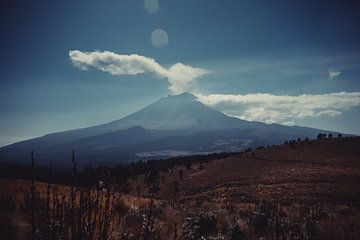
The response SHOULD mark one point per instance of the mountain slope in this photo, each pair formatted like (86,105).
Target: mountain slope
(179,112)
(313,170)
(182,111)
(177,122)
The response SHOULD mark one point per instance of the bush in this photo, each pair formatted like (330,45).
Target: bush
(260,222)
(234,232)
(133,220)
(199,226)
(120,208)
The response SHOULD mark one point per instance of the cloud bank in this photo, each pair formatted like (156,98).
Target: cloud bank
(283,109)
(179,76)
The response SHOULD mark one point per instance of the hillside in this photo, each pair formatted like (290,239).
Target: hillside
(300,190)
(321,170)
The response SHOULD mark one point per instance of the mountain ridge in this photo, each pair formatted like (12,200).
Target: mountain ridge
(178,122)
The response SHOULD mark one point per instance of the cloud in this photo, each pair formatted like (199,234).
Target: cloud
(179,76)
(333,73)
(269,108)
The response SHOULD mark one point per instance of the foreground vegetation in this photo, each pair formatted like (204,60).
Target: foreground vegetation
(300,190)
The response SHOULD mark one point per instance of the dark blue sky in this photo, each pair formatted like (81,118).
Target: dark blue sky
(276,47)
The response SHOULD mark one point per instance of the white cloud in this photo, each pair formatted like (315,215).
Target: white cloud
(333,73)
(179,76)
(283,109)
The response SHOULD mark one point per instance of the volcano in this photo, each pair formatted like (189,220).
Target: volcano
(172,126)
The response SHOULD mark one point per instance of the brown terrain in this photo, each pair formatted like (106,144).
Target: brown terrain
(326,170)
(300,190)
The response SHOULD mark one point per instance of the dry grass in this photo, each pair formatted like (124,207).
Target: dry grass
(326,170)
(307,190)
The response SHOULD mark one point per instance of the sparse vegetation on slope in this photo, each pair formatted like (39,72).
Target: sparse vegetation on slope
(305,189)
